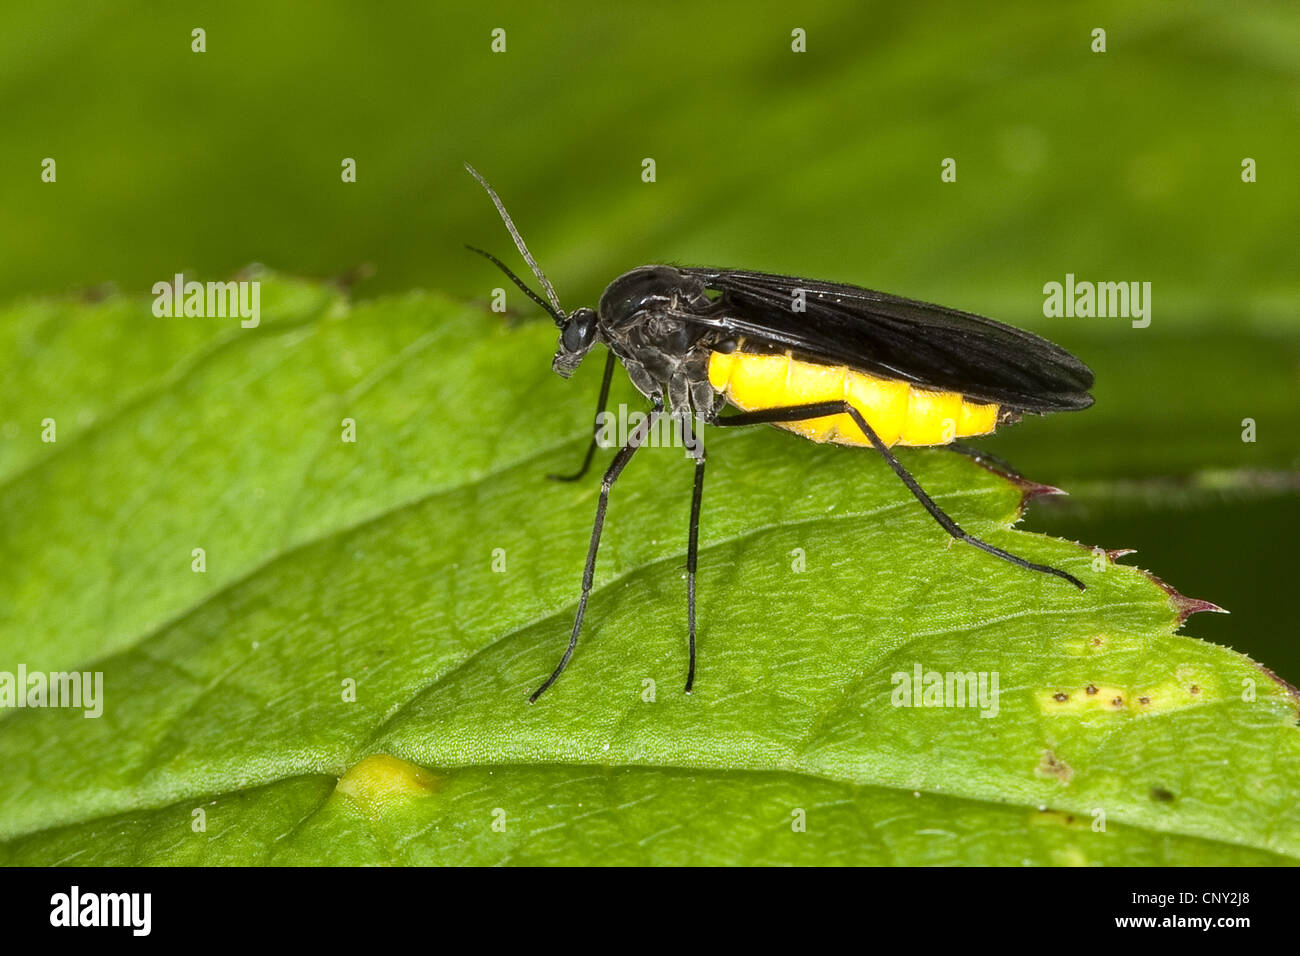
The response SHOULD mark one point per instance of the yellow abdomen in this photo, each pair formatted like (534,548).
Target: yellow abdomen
(899,413)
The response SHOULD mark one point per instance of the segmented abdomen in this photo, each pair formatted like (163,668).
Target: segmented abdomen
(899,413)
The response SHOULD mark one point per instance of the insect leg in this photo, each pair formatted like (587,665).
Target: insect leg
(595,428)
(984,458)
(693,541)
(616,467)
(797,413)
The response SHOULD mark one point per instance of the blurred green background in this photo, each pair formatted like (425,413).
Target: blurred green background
(1120,166)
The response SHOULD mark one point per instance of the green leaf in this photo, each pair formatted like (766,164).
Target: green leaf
(371,562)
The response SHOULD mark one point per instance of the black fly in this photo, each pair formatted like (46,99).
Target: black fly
(829,361)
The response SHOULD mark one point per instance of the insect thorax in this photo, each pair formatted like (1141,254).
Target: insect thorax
(665,355)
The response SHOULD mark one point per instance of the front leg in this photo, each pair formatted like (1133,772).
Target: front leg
(595,428)
(634,441)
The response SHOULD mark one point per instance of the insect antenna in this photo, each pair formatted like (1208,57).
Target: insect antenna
(557,316)
(556,310)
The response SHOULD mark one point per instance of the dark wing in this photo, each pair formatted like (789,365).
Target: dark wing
(891,337)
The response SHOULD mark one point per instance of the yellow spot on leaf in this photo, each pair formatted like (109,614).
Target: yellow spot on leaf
(381,783)
(1186,687)
(1082,699)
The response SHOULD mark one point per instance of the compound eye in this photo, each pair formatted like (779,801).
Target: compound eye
(578,333)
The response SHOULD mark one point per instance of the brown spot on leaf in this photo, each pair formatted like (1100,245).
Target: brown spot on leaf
(1051,765)
(1161,795)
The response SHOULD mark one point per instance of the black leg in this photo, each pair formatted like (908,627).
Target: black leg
(634,441)
(984,458)
(595,428)
(693,542)
(797,413)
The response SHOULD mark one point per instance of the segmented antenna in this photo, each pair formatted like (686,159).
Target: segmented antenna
(559,313)
(546,306)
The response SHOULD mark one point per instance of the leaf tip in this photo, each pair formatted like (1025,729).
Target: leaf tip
(1184,606)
